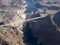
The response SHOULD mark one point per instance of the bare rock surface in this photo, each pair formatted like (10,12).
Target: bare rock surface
(9,36)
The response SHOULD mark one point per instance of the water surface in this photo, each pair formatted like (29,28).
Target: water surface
(31,6)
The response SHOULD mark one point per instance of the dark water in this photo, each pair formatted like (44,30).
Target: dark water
(30,40)
(31,6)
(47,31)
(57,18)
(46,26)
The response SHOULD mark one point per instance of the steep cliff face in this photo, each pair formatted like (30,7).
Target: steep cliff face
(35,32)
(12,34)
(9,36)
(13,18)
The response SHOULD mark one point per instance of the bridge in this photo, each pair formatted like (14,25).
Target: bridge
(16,23)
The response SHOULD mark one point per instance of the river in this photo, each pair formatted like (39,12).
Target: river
(31,6)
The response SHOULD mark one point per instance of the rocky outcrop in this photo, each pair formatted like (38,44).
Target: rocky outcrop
(13,19)
(35,32)
(11,36)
